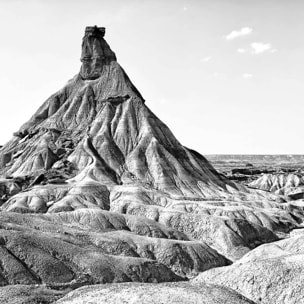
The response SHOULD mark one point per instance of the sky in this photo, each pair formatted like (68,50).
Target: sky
(226,76)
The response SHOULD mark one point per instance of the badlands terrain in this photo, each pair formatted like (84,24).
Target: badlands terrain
(100,203)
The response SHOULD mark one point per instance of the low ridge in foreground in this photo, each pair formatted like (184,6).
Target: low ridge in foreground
(96,189)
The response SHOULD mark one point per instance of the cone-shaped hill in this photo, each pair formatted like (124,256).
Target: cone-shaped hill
(96,189)
(99,125)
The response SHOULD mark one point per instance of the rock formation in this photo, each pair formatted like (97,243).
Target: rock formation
(96,189)
(165,293)
(289,185)
(271,273)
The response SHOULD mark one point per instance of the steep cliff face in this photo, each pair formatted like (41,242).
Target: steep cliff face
(95,53)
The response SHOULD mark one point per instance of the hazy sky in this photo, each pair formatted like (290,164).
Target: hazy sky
(226,76)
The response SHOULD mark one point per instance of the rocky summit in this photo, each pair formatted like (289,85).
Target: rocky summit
(96,189)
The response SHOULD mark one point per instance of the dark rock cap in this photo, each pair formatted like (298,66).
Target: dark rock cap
(95,30)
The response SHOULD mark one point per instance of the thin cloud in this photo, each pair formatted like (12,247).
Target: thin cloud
(260,47)
(247,76)
(241,51)
(239,33)
(206,59)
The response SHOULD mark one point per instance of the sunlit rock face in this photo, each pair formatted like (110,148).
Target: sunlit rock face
(95,53)
(270,274)
(166,293)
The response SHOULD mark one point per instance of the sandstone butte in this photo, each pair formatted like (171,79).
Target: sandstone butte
(95,189)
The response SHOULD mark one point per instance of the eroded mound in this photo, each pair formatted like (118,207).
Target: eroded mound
(271,273)
(154,294)
(92,246)
(29,294)
(275,182)
(232,226)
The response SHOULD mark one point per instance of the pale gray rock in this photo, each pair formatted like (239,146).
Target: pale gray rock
(270,274)
(279,183)
(165,293)
(29,294)
(96,246)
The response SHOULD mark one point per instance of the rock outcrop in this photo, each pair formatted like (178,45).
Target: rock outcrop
(29,294)
(165,293)
(289,187)
(95,246)
(271,273)
(275,182)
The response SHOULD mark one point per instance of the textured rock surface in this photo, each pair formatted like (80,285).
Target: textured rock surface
(95,53)
(271,273)
(29,294)
(94,246)
(154,294)
(274,182)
